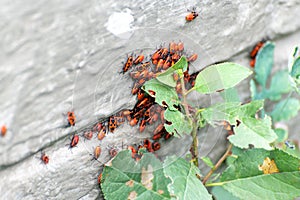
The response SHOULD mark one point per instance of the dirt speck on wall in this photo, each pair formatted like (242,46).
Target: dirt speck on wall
(59,56)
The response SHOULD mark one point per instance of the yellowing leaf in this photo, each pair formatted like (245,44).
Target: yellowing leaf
(130,183)
(268,166)
(147,177)
(128,179)
(132,195)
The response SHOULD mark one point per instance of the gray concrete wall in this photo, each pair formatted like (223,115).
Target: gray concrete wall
(58,56)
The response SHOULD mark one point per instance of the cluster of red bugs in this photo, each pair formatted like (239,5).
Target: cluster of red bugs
(254,52)
(146,111)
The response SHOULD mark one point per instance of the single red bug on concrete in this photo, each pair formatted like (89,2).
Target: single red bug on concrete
(3,130)
(88,135)
(71,118)
(74,141)
(192,15)
(45,158)
(99,178)
(97,153)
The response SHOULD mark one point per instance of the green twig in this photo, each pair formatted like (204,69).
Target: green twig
(190,90)
(183,90)
(195,144)
(218,164)
(214,184)
(191,121)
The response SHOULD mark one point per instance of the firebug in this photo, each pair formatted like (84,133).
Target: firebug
(45,158)
(74,141)
(71,118)
(191,16)
(3,130)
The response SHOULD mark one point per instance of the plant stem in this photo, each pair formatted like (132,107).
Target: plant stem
(185,105)
(195,143)
(214,184)
(199,111)
(190,90)
(218,164)
(193,122)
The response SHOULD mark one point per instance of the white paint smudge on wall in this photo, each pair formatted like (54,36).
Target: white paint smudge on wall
(120,24)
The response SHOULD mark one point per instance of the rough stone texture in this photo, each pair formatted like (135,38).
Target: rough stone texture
(58,56)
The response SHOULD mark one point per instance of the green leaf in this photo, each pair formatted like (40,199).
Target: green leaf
(220,76)
(179,123)
(207,161)
(185,184)
(253,90)
(244,179)
(230,95)
(235,152)
(292,151)
(167,76)
(271,186)
(221,112)
(251,131)
(282,134)
(246,165)
(124,178)
(296,68)
(164,95)
(221,194)
(280,84)
(231,111)
(292,58)
(264,63)
(285,109)
(250,109)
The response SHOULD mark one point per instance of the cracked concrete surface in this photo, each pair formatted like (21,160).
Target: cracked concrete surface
(56,57)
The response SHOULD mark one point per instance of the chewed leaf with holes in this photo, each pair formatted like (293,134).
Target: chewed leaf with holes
(231,111)
(248,130)
(220,76)
(261,174)
(251,131)
(268,167)
(167,76)
(185,184)
(177,123)
(125,178)
(251,163)
(164,95)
